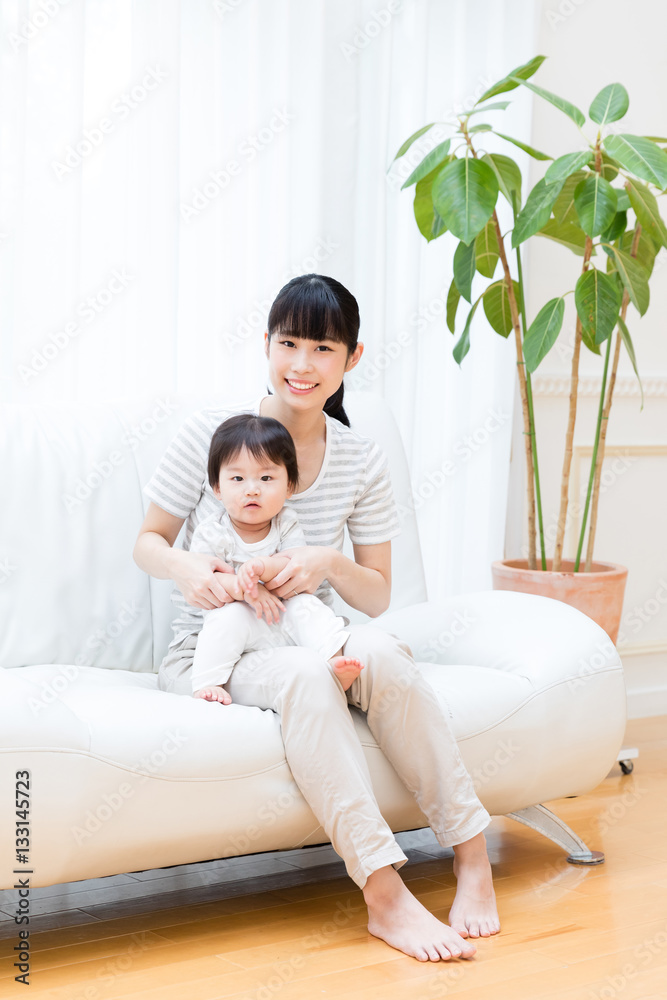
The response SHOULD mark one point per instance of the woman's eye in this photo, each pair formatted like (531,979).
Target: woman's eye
(287,343)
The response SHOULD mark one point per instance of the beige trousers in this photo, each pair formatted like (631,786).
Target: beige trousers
(324,752)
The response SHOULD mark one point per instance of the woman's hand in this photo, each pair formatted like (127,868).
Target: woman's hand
(199,578)
(308,565)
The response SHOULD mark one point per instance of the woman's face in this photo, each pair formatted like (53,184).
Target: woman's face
(304,373)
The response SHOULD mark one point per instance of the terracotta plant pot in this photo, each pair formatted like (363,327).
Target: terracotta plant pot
(599,594)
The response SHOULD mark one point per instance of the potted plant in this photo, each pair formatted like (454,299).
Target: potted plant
(598,202)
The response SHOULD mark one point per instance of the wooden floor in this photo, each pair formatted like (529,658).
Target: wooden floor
(292,925)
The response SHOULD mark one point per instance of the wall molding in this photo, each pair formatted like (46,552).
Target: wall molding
(626,386)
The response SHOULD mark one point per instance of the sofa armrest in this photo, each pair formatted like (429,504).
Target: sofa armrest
(536,637)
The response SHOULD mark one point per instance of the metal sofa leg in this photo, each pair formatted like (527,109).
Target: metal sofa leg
(544,821)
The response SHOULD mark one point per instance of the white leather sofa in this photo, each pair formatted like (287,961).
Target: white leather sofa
(125,777)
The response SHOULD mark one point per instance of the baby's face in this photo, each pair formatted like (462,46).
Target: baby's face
(252,490)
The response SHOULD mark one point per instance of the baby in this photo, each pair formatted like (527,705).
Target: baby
(252,469)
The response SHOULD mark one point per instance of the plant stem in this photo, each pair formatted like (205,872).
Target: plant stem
(605,422)
(574,388)
(567,458)
(531,411)
(528,431)
(521,368)
(595,454)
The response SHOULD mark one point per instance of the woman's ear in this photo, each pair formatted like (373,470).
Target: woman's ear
(267,342)
(355,357)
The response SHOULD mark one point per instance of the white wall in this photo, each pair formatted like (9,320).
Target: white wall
(590,43)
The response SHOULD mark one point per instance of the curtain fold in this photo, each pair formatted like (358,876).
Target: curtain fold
(165,167)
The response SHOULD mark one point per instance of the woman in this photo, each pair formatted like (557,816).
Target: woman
(312,340)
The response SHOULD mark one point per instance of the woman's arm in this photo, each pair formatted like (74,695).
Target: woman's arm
(195,574)
(364,583)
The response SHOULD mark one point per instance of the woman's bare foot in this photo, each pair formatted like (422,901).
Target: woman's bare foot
(214,693)
(396,916)
(474,912)
(346,669)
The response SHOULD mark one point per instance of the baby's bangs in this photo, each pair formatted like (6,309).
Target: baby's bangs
(310,311)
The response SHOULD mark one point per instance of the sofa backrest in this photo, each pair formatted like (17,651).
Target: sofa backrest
(71,506)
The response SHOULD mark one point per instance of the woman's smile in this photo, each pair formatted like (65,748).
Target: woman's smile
(300,387)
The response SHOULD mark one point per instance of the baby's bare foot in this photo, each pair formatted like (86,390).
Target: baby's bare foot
(346,669)
(396,916)
(214,693)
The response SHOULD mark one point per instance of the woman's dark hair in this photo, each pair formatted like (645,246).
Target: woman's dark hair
(316,307)
(264,437)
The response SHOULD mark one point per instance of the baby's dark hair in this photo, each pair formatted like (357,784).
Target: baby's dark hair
(264,437)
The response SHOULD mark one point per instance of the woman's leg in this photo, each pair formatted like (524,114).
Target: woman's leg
(322,750)
(406,718)
(329,766)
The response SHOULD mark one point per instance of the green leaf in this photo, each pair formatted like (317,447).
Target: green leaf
(464,195)
(627,340)
(610,104)
(507,174)
(623,202)
(646,209)
(542,332)
(646,249)
(558,102)
(609,168)
(497,106)
(497,306)
(487,251)
(464,269)
(618,226)
(634,277)
(595,202)
(535,153)
(428,220)
(566,233)
(508,82)
(462,345)
(453,299)
(589,342)
(482,127)
(566,165)
(655,138)
(413,138)
(564,210)
(640,156)
(536,211)
(597,298)
(429,163)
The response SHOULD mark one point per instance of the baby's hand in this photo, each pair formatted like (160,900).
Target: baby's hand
(248,576)
(266,605)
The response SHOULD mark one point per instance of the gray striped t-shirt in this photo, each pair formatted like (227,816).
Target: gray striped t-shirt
(353,488)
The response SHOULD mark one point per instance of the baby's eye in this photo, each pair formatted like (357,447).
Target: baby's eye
(237,479)
(267,479)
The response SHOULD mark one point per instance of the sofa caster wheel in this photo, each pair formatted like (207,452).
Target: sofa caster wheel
(627,766)
(586,858)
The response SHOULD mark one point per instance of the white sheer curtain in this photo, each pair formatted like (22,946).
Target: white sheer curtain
(165,167)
